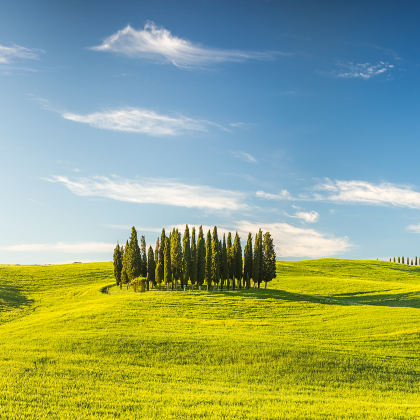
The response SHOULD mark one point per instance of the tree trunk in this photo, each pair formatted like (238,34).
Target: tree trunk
(192,288)
(207,287)
(184,287)
(176,285)
(168,287)
(265,285)
(214,287)
(199,288)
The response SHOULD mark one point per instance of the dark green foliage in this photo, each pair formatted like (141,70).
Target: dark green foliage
(257,260)
(248,260)
(269,259)
(176,256)
(201,257)
(215,258)
(208,259)
(143,252)
(225,269)
(124,275)
(186,263)
(237,259)
(415,261)
(394,259)
(402,260)
(117,264)
(193,272)
(133,256)
(398,260)
(229,250)
(167,270)
(162,249)
(151,267)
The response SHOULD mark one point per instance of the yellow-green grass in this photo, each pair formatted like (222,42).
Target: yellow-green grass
(330,339)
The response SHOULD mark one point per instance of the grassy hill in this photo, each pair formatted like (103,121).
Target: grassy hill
(331,339)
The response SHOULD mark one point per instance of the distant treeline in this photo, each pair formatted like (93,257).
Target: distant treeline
(186,261)
(401,261)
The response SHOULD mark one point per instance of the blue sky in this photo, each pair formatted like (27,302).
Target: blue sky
(298,117)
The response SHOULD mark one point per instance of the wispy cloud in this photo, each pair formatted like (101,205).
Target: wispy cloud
(355,192)
(135,120)
(245,156)
(350,70)
(294,241)
(414,228)
(159,45)
(156,191)
(9,55)
(307,216)
(77,248)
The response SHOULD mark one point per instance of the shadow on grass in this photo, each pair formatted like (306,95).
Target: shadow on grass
(12,297)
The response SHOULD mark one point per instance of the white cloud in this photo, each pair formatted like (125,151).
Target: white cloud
(159,45)
(157,191)
(78,248)
(293,241)
(139,120)
(9,54)
(350,70)
(414,228)
(307,216)
(245,156)
(283,195)
(356,192)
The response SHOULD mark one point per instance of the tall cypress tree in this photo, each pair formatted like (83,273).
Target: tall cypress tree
(118,264)
(256,261)
(133,256)
(225,271)
(124,275)
(201,257)
(176,256)
(230,259)
(402,259)
(208,260)
(151,267)
(215,259)
(167,271)
(162,248)
(193,272)
(269,259)
(187,256)
(415,261)
(237,259)
(261,258)
(143,252)
(248,261)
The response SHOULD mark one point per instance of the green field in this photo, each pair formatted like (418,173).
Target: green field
(330,339)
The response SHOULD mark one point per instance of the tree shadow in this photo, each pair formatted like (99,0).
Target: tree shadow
(12,297)
(371,298)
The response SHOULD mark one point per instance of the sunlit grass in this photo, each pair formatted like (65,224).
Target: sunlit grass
(329,339)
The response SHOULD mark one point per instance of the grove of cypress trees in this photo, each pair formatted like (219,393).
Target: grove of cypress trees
(201,257)
(151,267)
(117,264)
(237,259)
(215,259)
(167,270)
(269,259)
(143,252)
(186,264)
(193,272)
(248,261)
(208,260)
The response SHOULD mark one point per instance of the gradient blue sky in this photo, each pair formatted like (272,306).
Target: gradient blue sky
(298,117)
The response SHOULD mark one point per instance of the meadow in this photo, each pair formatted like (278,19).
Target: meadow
(329,339)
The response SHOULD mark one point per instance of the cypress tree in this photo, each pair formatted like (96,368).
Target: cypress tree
(237,259)
(124,275)
(415,261)
(402,259)
(193,272)
(411,262)
(256,261)
(261,258)
(162,249)
(215,259)
(133,256)
(201,257)
(208,260)
(248,261)
(398,260)
(176,256)
(117,264)
(143,251)
(158,274)
(151,267)
(394,259)
(167,270)
(229,249)
(186,266)
(269,259)
(225,271)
